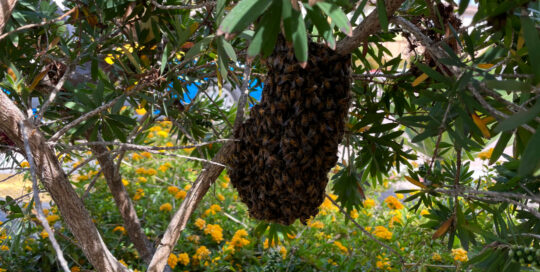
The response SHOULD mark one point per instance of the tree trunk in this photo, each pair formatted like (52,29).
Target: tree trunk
(123,202)
(57,184)
(6,6)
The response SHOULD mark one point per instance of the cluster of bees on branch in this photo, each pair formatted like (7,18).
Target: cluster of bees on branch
(290,141)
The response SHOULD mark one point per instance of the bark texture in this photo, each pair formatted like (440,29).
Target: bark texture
(6,7)
(123,202)
(57,184)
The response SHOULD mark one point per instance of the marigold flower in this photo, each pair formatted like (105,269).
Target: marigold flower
(341,246)
(460,254)
(140,171)
(194,238)
(52,218)
(220,197)
(172,261)
(173,190)
(200,223)
(400,196)
(151,172)
(140,111)
(122,262)
(215,231)
(212,210)
(283,252)
(316,224)
(436,257)
(354,214)
(382,263)
(4,248)
(327,206)
(201,253)
(238,239)
(125,182)
(382,233)
(187,187)
(166,207)
(44,234)
(183,258)
(25,164)
(369,203)
(120,229)
(393,203)
(75,269)
(146,154)
(136,157)
(424,212)
(163,134)
(142,179)
(180,195)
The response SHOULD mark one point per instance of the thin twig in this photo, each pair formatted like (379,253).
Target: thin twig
(39,207)
(12,176)
(128,146)
(53,94)
(91,184)
(39,24)
(236,220)
(243,97)
(205,4)
(367,233)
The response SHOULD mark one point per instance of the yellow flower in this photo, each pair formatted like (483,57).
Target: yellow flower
(140,111)
(4,248)
(172,261)
(394,219)
(122,262)
(201,253)
(485,155)
(266,245)
(424,212)
(383,263)
(354,214)
(147,155)
(109,59)
(382,233)
(316,224)
(183,258)
(139,194)
(180,195)
(163,168)
(151,172)
(393,203)
(460,254)
(188,150)
(155,128)
(120,229)
(239,239)
(166,207)
(75,269)
(52,218)
(200,223)
(400,196)
(125,182)
(25,164)
(173,190)
(220,197)
(169,144)
(369,203)
(140,171)
(215,231)
(163,134)
(136,157)
(327,206)
(283,252)
(142,179)
(212,210)
(341,247)
(436,257)
(187,187)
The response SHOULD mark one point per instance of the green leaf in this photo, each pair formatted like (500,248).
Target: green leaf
(519,118)
(198,47)
(383,18)
(499,148)
(531,155)
(164,58)
(433,74)
(463,4)
(228,49)
(295,30)
(533,44)
(314,13)
(337,15)
(242,15)
(508,85)
(266,35)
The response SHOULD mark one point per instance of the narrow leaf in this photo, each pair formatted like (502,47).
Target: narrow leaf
(242,15)
(420,79)
(337,15)
(531,155)
(415,182)
(519,118)
(383,18)
(533,44)
(500,146)
(443,228)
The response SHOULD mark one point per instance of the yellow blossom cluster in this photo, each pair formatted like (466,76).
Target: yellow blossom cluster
(52,218)
(180,194)
(424,212)
(460,254)
(369,203)
(327,206)
(75,269)
(194,238)
(393,203)
(215,231)
(200,223)
(138,194)
(120,229)
(25,164)
(341,247)
(200,254)
(383,263)
(183,258)
(382,233)
(164,167)
(315,224)
(436,257)
(396,218)
(172,261)
(125,182)
(144,171)
(220,197)
(167,207)
(173,190)
(142,179)
(354,214)
(212,210)
(283,252)
(239,239)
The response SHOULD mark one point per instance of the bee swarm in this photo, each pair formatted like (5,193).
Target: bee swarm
(290,141)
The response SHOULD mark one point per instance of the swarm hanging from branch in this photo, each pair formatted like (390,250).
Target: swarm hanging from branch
(290,141)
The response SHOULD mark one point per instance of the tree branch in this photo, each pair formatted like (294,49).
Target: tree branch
(370,25)
(6,7)
(37,25)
